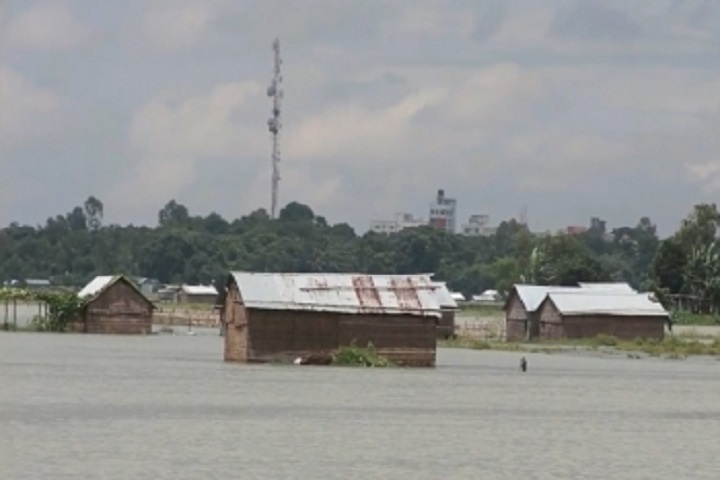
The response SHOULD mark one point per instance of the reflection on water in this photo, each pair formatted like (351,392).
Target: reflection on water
(167,407)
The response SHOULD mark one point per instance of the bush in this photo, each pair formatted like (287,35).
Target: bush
(361,357)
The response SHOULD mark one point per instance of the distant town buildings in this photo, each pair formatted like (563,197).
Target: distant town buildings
(477,226)
(443,212)
(400,222)
(442,215)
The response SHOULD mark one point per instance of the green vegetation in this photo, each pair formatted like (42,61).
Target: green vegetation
(676,346)
(72,248)
(687,318)
(360,357)
(63,307)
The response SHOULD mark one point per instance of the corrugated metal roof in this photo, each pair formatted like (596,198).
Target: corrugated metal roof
(616,287)
(96,285)
(620,304)
(339,292)
(199,289)
(533,295)
(458,296)
(444,297)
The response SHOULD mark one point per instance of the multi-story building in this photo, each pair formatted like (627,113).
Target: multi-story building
(477,225)
(401,221)
(443,212)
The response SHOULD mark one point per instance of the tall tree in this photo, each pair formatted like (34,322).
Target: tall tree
(94,211)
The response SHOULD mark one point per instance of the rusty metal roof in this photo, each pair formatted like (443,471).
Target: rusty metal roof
(339,292)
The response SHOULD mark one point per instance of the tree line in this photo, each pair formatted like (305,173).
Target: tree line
(72,248)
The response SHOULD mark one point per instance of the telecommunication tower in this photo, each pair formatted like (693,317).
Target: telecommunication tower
(275,92)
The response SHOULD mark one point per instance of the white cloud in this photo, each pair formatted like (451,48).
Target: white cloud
(179,26)
(45,27)
(172,134)
(706,174)
(26,113)
(492,94)
(24,108)
(434,20)
(355,130)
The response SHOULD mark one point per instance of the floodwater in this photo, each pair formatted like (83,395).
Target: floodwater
(167,407)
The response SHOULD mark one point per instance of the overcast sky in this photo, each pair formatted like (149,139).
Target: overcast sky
(573,108)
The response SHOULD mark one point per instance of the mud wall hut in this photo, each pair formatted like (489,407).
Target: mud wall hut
(583,314)
(113,304)
(279,317)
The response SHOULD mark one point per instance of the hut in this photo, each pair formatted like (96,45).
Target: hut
(281,316)
(114,304)
(448,308)
(521,305)
(197,294)
(583,314)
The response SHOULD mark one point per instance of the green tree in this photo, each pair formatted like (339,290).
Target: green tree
(94,210)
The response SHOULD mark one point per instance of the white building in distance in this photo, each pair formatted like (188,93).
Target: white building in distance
(443,212)
(401,222)
(478,225)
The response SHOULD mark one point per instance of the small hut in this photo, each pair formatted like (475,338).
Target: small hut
(521,305)
(197,294)
(280,316)
(448,308)
(583,314)
(114,304)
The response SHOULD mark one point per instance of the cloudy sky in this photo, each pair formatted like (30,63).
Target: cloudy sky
(574,108)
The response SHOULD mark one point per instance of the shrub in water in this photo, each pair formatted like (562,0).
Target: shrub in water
(358,356)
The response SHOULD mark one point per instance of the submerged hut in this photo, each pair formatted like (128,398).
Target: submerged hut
(583,314)
(521,306)
(448,308)
(282,316)
(114,304)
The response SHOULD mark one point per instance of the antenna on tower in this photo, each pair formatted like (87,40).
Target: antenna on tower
(275,92)
(524,215)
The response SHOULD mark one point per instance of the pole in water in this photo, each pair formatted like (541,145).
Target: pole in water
(523,365)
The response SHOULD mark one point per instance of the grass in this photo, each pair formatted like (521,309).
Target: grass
(685,318)
(675,347)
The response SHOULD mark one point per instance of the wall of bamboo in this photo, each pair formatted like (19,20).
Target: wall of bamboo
(118,310)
